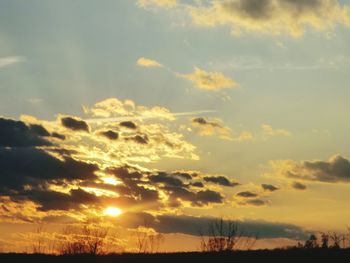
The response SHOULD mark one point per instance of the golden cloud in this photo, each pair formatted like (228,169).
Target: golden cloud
(274,17)
(157,3)
(148,63)
(212,81)
(269,131)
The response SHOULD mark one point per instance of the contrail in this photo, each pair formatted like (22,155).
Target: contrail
(127,118)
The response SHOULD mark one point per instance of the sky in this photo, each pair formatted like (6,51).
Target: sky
(174,113)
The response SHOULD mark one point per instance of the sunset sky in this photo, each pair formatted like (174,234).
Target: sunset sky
(174,112)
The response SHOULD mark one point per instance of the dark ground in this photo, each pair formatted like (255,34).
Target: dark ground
(282,256)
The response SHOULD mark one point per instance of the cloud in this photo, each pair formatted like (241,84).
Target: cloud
(128,124)
(220,180)
(139,138)
(7,61)
(299,186)
(52,200)
(269,187)
(248,198)
(185,175)
(18,134)
(211,127)
(157,3)
(255,202)
(113,109)
(166,179)
(58,136)
(198,226)
(75,124)
(208,127)
(272,17)
(204,80)
(208,196)
(30,167)
(112,135)
(148,63)
(197,184)
(170,184)
(82,173)
(247,194)
(335,170)
(211,81)
(268,131)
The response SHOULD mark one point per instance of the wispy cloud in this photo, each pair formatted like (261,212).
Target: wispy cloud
(243,63)
(7,61)
(148,63)
(269,131)
(213,81)
(202,79)
(130,118)
(157,3)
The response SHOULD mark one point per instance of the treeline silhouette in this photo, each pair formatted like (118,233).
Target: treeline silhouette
(221,240)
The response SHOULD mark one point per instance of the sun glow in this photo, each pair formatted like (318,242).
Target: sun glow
(111,180)
(112,211)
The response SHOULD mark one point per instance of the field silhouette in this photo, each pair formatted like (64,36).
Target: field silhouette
(288,255)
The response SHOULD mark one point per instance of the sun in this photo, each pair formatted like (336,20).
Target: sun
(112,211)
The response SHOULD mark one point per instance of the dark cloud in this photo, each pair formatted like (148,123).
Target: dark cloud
(255,202)
(247,194)
(136,182)
(58,136)
(126,174)
(299,186)
(39,130)
(196,226)
(136,219)
(198,184)
(221,180)
(269,187)
(52,200)
(201,198)
(185,175)
(133,185)
(256,9)
(30,166)
(110,134)
(209,196)
(140,139)
(166,179)
(336,169)
(18,134)
(145,194)
(202,121)
(128,124)
(75,124)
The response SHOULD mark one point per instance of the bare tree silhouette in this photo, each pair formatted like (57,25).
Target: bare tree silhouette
(85,239)
(146,241)
(38,246)
(311,242)
(225,236)
(324,240)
